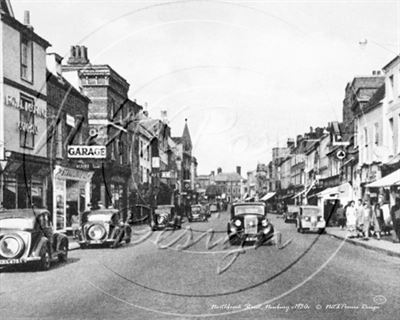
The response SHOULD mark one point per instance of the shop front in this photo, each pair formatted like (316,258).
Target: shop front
(71,196)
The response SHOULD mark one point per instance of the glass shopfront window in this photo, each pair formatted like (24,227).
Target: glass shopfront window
(20,193)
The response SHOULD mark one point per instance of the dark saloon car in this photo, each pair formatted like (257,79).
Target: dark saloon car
(27,237)
(197,213)
(103,227)
(248,222)
(165,216)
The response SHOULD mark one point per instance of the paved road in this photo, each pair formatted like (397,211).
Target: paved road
(144,281)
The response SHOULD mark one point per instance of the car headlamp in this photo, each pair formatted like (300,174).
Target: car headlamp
(238,223)
(264,223)
(11,246)
(96,232)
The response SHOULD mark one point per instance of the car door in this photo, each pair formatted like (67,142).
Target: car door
(46,228)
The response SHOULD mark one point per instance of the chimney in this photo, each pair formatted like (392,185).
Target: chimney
(290,143)
(78,55)
(213,173)
(164,117)
(53,63)
(239,170)
(219,170)
(27,19)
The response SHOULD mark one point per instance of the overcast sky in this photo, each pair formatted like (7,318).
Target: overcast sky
(246,74)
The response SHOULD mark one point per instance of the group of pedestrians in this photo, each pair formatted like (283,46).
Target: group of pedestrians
(364,219)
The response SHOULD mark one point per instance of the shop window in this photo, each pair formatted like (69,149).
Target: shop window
(9,192)
(27,128)
(26,60)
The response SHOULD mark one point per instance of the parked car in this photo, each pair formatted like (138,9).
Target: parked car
(248,222)
(27,237)
(165,216)
(197,213)
(310,218)
(291,214)
(103,226)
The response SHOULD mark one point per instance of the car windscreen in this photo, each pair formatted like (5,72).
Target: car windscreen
(248,210)
(196,209)
(99,217)
(311,211)
(16,223)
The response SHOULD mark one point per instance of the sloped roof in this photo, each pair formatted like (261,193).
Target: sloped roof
(378,96)
(5,6)
(228,177)
(186,135)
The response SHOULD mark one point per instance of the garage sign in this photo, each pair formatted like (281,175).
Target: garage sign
(92,152)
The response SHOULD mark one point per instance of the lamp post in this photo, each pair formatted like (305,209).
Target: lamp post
(178,178)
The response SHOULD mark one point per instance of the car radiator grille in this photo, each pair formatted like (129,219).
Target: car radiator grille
(250,224)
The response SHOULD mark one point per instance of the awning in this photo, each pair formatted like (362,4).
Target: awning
(268,196)
(392,179)
(299,194)
(344,189)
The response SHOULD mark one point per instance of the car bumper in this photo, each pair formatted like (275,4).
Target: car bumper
(7,262)
(90,242)
(312,226)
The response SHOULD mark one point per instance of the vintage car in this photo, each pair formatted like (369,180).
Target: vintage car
(310,218)
(165,216)
(291,214)
(197,213)
(27,236)
(213,208)
(103,227)
(248,222)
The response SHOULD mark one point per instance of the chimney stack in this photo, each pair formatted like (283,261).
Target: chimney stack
(219,170)
(27,19)
(78,55)
(213,173)
(239,170)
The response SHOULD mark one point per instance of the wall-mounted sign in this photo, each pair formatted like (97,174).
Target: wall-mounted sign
(74,174)
(27,127)
(155,162)
(340,154)
(92,152)
(70,120)
(40,111)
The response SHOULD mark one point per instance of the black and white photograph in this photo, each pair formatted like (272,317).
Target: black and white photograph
(199,159)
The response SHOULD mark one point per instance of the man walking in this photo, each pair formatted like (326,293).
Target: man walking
(395,215)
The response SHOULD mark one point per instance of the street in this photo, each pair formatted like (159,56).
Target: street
(312,277)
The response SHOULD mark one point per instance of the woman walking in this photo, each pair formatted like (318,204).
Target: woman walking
(351,219)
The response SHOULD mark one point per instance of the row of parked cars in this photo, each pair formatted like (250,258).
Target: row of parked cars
(27,235)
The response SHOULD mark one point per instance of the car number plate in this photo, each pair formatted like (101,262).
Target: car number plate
(251,238)
(10,261)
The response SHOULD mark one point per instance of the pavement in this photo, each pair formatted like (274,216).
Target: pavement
(384,245)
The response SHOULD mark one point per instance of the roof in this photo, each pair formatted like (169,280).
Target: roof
(5,6)
(29,213)
(376,99)
(391,62)
(177,139)
(63,83)
(228,176)
(249,204)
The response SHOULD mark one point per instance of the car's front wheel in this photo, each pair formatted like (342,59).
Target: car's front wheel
(45,259)
(299,228)
(63,255)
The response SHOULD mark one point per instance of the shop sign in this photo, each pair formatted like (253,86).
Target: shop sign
(74,174)
(92,152)
(40,111)
(155,162)
(27,127)
(167,174)
(70,120)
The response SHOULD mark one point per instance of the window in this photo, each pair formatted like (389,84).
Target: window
(141,174)
(365,144)
(27,128)
(141,149)
(26,60)
(58,138)
(391,135)
(391,87)
(376,133)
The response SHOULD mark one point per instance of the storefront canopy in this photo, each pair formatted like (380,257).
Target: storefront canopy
(268,196)
(299,194)
(392,179)
(344,190)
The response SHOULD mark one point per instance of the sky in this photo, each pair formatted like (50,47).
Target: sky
(247,75)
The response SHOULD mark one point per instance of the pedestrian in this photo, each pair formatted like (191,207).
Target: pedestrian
(395,215)
(359,217)
(340,214)
(351,218)
(377,220)
(366,219)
